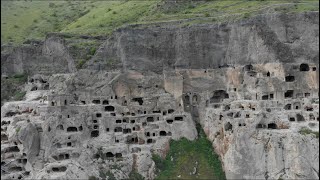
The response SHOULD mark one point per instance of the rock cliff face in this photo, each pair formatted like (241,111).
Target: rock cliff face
(263,39)
(48,57)
(252,85)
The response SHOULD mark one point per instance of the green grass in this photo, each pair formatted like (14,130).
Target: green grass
(105,20)
(305,131)
(185,154)
(22,20)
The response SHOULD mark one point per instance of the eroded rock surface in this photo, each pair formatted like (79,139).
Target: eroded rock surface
(253,87)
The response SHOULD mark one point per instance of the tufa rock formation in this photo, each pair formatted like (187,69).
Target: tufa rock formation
(252,85)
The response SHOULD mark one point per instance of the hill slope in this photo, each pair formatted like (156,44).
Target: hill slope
(23,20)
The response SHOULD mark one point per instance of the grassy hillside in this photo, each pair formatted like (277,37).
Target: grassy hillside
(190,160)
(22,20)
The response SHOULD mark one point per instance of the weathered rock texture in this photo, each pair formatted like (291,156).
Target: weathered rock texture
(252,85)
(48,57)
(263,39)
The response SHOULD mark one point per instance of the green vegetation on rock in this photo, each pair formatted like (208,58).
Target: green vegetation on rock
(134,175)
(18,129)
(12,89)
(106,174)
(23,20)
(305,131)
(190,160)
(93,178)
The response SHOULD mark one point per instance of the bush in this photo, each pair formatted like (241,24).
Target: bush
(15,26)
(19,96)
(108,174)
(93,178)
(246,15)
(134,175)
(20,77)
(18,129)
(51,5)
(206,14)
(110,62)
(92,50)
(80,63)
(160,164)
(305,131)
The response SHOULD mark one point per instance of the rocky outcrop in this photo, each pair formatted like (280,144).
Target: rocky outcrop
(262,39)
(252,85)
(255,119)
(48,57)
(92,123)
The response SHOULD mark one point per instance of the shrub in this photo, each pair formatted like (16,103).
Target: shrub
(19,96)
(110,62)
(92,50)
(160,164)
(15,26)
(246,15)
(134,175)
(51,5)
(93,178)
(108,174)
(80,63)
(305,131)
(114,12)
(206,14)
(20,77)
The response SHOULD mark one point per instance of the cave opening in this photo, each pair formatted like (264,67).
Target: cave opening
(288,94)
(72,129)
(95,133)
(109,108)
(304,67)
(272,126)
(162,133)
(228,126)
(139,100)
(289,78)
